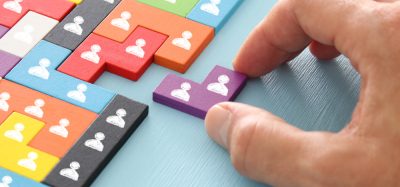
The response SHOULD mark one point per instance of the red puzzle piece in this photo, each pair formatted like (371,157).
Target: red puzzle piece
(129,59)
(12,11)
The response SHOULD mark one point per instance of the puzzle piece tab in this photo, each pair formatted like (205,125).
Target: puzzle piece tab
(7,62)
(3,30)
(196,99)
(78,24)
(32,28)
(214,13)
(178,7)
(20,128)
(64,122)
(37,71)
(12,11)
(10,179)
(26,161)
(129,59)
(186,38)
(99,144)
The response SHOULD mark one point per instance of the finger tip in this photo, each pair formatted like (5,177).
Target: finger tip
(217,122)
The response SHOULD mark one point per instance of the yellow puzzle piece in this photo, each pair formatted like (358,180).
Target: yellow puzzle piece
(76,1)
(25,160)
(20,128)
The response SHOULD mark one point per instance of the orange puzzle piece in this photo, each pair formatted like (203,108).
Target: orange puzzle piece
(186,38)
(64,122)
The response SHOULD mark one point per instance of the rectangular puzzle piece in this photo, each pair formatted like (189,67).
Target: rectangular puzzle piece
(78,24)
(37,71)
(7,62)
(10,179)
(186,38)
(178,7)
(196,99)
(21,38)
(99,144)
(64,123)
(129,59)
(214,13)
(12,11)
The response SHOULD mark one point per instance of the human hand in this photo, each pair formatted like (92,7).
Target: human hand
(366,152)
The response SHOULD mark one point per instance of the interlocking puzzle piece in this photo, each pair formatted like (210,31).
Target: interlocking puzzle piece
(26,161)
(3,30)
(20,128)
(10,179)
(99,144)
(214,13)
(196,99)
(178,7)
(37,71)
(129,59)
(64,122)
(13,10)
(7,62)
(78,24)
(187,39)
(32,28)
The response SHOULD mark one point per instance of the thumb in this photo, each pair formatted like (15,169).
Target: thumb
(263,146)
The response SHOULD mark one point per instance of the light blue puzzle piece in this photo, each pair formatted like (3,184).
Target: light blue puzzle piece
(214,13)
(56,84)
(12,179)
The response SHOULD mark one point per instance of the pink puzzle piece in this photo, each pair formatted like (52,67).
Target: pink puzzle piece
(196,99)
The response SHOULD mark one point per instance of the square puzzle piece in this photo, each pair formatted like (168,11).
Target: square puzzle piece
(214,13)
(186,38)
(129,59)
(10,179)
(178,7)
(20,128)
(37,71)
(12,11)
(7,62)
(196,99)
(99,144)
(32,28)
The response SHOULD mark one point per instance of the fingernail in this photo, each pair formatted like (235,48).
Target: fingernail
(218,123)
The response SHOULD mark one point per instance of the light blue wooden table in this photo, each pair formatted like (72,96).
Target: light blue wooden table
(172,148)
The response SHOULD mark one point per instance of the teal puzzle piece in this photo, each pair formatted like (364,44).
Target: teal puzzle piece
(8,178)
(38,71)
(214,13)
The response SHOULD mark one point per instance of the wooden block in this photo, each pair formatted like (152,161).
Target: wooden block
(32,28)
(129,59)
(214,13)
(37,71)
(186,38)
(26,161)
(3,31)
(20,128)
(99,144)
(76,1)
(196,99)
(12,11)
(71,31)
(54,113)
(7,62)
(10,179)
(178,7)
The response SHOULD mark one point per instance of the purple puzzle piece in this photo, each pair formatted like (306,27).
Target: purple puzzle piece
(196,99)
(7,62)
(3,31)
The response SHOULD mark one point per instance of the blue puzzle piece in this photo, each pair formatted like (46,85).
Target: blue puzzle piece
(214,13)
(31,72)
(9,178)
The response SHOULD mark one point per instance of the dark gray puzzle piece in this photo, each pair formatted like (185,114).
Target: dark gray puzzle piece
(92,157)
(92,11)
